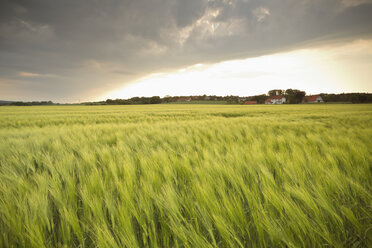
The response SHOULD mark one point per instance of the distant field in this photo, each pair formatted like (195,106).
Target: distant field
(186,176)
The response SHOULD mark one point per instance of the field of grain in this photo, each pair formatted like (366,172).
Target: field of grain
(186,176)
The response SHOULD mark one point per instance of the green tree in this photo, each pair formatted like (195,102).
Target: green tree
(294,96)
(275,92)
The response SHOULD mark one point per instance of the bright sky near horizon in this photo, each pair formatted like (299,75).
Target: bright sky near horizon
(328,69)
(71,51)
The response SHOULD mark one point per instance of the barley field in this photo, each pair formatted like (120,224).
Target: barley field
(186,176)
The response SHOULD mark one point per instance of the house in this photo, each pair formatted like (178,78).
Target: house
(312,99)
(275,100)
(250,102)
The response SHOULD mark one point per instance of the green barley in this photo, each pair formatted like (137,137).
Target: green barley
(186,176)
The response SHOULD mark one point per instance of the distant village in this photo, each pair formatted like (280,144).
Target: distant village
(276,96)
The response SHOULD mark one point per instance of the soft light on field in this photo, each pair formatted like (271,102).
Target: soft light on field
(337,69)
(186,176)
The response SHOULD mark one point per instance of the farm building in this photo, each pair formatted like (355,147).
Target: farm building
(250,102)
(312,99)
(275,100)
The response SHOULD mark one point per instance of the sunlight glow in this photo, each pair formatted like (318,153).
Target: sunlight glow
(338,69)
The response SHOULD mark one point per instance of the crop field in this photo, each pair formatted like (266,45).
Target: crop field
(186,176)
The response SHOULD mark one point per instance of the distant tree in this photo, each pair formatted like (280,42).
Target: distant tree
(348,97)
(275,92)
(232,99)
(155,100)
(259,98)
(33,103)
(299,95)
(20,104)
(294,96)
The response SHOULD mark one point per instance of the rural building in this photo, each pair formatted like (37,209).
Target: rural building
(275,100)
(250,102)
(312,99)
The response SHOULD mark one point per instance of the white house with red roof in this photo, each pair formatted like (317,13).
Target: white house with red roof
(312,99)
(275,100)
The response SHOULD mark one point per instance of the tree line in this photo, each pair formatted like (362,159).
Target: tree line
(20,103)
(348,97)
(293,96)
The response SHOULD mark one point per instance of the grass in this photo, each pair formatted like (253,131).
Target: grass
(186,176)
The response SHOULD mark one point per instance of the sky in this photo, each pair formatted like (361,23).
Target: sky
(91,50)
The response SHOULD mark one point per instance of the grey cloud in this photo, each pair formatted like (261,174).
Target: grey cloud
(185,12)
(98,45)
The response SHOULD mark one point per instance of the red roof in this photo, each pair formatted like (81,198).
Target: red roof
(311,98)
(274,97)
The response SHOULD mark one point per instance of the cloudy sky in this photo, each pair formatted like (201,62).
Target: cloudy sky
(86,50)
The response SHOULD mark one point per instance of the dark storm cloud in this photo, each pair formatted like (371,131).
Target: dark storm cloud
(72,49)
